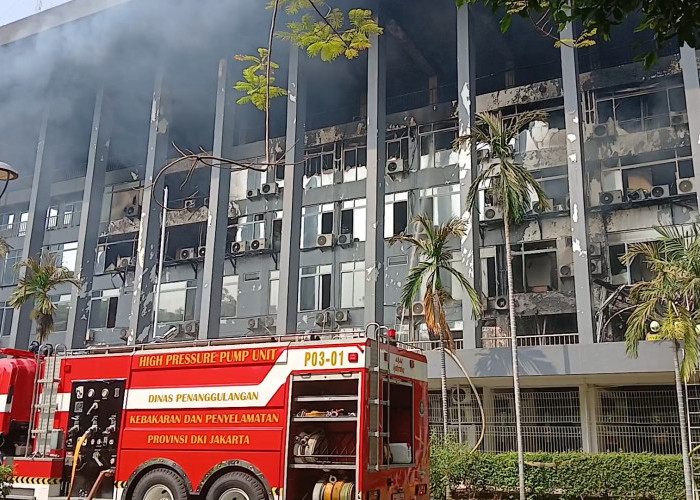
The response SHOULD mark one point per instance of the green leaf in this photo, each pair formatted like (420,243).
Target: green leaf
(505,23)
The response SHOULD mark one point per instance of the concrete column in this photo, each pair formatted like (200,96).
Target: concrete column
(487,401)
(588,408)
(39,200)
(142,316)
(376,162)
(219,189)
(466,109)
(90,220)
(577,192)
(691,84)
(292,198)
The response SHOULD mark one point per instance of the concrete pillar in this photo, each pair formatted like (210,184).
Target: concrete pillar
(376,162)
(589,410)
(90,220)
(219,189)
(292,198)
(577,192)
(487,401)
(691,84)
(39,200)
(142,319)
(470,244)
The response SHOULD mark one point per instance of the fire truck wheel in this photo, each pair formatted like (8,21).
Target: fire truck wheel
(160,484)
(237,486)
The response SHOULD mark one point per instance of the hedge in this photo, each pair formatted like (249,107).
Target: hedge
(566,476)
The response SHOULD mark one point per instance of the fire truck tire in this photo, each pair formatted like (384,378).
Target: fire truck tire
(237,486)
(160,484)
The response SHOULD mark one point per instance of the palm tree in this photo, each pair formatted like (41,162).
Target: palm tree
(666,305)
(435,258)
(511,187)
(41,277)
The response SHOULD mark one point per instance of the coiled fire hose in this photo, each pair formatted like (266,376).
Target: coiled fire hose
(76,457)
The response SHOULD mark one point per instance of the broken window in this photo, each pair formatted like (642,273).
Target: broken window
(315,288)
(60,317)
(247,179)
(352,284)
(273,296)
(229,297)
(397,147)
(119,198)
(436,145)
(555,183)
(103,309)
(440,203)
(315,220)
(177,301)
(353,218)
(249,227)
(626,275)
(396,214)
(354,163)
(319,167)
(492,277)
(535,267)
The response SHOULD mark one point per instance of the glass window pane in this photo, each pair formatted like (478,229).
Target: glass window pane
(98,313)
(307,294)
(171,307)
(229,297)
(7,321)
(346,290)
(274,296)
(359,230)
(359,287)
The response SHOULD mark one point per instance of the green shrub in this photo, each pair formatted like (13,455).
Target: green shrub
(567,475)
(5,480)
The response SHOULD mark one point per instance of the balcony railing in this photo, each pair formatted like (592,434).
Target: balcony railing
(67,219)
(532,340)
(431,345)
(13,230)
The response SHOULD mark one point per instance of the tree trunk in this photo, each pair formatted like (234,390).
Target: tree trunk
(685,446)
(514,350)
(443,386)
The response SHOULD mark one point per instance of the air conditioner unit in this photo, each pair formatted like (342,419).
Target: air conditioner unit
(206,202)
(201,252)
(238,247)
(662,191)
(394,166)
(600,130)
(402,312)
(325,240)
(258,244)
(566,271)
(492,213)
(342,316)
(90,335)
(542,206)
(124,334)
(185,254)
(685,186)
(270,321)
(132,211)
(595,249)
(269,189)
(418,309)
(252,193)
(636,195)
(596,266)
(255,324)
(189,204)
(611,197)
(345,240)
(459,395)
(501,303)
(190,328)
(125,262)
(679,118)
(324,318)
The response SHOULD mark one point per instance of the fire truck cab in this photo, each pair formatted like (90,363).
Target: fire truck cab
(328,416)
(17,374)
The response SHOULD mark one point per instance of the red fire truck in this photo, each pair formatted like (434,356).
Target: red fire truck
(323,417)
(17,381)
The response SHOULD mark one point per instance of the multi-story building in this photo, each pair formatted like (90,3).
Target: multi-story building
(98,98)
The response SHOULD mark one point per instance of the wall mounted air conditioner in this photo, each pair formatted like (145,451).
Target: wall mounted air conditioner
(459,395)
(201,252)
(634,195)
(190,328)
(132,211)
(185,254)
(596,266)
(342,316)
(679,118)
(325,240)
(206,202)
(402,312)
(662,191)
(252,194)
(255,324)
(324,318)
(542,206)
(566,271)
(501,303)
(345,240)
(269,189)
(685,186)
(595,249)
(189,204)
(492,213)
(418,309)
(270,321)
(125,262)
(257,244)
(239,247)
(611,197)
(394,166)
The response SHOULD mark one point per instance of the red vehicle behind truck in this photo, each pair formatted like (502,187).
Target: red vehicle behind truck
(334,416)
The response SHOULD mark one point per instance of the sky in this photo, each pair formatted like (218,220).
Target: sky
(13,10)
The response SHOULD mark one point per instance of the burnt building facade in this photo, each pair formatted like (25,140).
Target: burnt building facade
(99,100)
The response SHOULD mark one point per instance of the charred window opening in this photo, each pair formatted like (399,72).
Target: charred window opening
(115,252)
(535,267)
(555,183)
(319,167)
(103,309)
(436,145)
(627,275)
(315,220)
(354,163)
(397,146)
(353,219)
(277,231)
(396,214)
(493,279)
(122,201)
(315,288)
(548,329)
